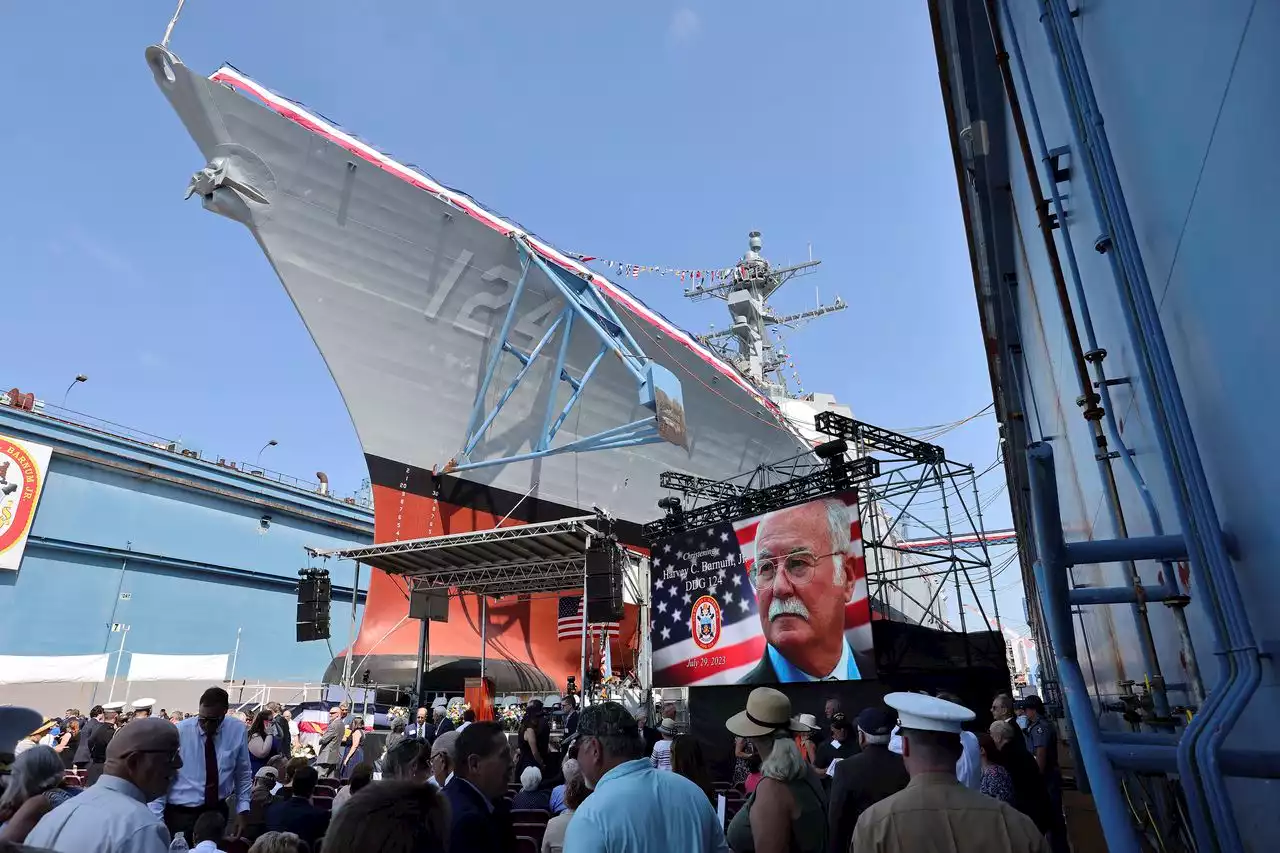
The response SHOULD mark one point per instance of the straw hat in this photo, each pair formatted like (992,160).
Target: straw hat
(767,711)
(668,726)
(809,720)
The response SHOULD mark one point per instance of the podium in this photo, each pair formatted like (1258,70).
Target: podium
(479,695)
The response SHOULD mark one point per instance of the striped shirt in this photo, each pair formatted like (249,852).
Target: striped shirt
(661,758)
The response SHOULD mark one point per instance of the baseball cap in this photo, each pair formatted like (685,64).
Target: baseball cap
(15,724)
(876,721)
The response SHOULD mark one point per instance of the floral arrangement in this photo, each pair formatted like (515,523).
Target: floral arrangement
(510,717)
(454,712)
(402,713)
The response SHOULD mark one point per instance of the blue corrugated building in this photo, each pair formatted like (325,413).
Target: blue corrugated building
(196,557)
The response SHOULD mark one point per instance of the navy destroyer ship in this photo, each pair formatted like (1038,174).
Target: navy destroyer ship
(490,377)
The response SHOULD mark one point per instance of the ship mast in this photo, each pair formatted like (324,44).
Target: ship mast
(747,344)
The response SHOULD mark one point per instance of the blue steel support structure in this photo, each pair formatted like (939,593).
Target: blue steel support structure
(583,303)
(1200,749)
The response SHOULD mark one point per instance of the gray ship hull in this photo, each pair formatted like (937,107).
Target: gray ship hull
(404,286)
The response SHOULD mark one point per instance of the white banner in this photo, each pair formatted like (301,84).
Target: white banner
(51,669)
(178,667)
(23,468)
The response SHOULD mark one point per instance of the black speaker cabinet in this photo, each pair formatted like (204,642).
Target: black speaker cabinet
(429,603)
(604,584)
(313,611)
(314,589)
(308,631)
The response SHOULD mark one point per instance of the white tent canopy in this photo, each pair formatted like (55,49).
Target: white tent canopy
(144,667)
(50,669)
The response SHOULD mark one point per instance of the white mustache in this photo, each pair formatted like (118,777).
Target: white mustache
(787,607)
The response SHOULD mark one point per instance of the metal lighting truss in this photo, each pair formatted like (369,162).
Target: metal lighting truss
(914,475)
(527,558)
(583,304)
(896,477)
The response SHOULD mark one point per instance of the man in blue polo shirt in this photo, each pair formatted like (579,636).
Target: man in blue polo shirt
(634,807)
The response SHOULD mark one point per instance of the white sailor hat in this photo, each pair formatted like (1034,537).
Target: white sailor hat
(113,706)
(928,713)
(144,704)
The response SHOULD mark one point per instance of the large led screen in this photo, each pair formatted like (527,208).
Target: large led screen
(774,599)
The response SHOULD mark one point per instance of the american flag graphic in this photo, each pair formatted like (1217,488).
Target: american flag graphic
(716,561)
(569,621)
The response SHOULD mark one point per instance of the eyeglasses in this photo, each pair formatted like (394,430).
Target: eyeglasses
(799,567)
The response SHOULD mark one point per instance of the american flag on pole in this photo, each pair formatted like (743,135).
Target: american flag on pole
(569,621)
(715,589)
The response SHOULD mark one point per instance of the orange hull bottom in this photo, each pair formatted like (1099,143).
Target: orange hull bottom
(522,651)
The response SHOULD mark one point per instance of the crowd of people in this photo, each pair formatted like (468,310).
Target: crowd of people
(908,777)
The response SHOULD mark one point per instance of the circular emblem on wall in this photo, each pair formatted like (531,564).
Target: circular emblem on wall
(19,486)
(706,622)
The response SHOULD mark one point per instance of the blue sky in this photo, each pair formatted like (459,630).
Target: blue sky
(657,133)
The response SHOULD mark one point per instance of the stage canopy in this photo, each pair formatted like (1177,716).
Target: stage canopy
(528,558)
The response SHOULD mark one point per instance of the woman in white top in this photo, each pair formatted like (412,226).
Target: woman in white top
(661,758)
(575,791)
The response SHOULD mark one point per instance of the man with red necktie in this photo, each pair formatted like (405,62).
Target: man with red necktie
(215,765)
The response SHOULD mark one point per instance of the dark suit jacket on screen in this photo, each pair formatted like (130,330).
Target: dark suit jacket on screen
(763,672)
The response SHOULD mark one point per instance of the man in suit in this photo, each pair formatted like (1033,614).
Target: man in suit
(570,708)
(865,778)
(441,723)
(297,814)
(840,745)
(329,753)
(481,819)
(96,717)
(280,730)
(803,575)
(420,727)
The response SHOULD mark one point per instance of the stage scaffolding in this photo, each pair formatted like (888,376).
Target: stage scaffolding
(907,488)
(547,557)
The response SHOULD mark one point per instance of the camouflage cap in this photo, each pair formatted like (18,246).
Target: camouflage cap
(607,719)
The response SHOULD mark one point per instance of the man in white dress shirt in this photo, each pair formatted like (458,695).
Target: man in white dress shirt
(215,765)
(111,816)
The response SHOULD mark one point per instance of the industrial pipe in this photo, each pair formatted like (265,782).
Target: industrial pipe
(1099,411)
(1051,581)
(1237,682)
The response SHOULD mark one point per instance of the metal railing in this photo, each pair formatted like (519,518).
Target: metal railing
(178,446)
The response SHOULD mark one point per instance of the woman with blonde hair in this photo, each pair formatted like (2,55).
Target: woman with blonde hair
(787,812)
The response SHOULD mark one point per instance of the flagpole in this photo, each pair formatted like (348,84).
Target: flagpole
(582,685)
(484,631)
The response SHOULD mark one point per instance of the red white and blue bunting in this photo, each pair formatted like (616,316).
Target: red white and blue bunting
(624,269)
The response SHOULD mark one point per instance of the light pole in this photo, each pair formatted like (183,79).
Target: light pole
(80,377)
(123,631)
(271,443)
